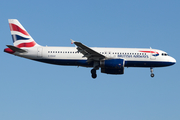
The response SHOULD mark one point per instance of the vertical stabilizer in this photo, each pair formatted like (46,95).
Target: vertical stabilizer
(20,36)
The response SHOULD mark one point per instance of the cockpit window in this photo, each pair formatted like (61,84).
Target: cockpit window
(165,54)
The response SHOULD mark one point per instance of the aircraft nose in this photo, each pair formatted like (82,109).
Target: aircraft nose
(173,60)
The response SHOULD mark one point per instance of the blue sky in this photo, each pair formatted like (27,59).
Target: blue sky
(33,90)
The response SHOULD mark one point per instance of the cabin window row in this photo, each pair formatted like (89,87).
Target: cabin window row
(122,53)
(99,52)
(62,52)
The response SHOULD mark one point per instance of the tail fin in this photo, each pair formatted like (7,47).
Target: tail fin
(20,36)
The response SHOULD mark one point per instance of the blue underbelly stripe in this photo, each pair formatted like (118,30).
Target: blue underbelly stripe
(85,64)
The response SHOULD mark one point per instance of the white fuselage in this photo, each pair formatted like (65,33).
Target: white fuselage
(134,57)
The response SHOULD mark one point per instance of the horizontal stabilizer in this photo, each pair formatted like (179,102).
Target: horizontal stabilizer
(16,49)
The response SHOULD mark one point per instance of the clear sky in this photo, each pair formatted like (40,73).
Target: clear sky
(31,90)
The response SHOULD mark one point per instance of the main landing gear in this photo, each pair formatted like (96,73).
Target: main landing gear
(93,73)
(152,74)
(95,67)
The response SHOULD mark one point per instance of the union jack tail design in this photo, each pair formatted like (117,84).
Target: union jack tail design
(20,36)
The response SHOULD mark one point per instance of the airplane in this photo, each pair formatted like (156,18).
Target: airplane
(109,60)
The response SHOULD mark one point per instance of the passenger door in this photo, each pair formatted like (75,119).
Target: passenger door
(152,55)
(39,52)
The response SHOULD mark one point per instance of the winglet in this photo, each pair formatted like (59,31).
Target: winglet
(72,41)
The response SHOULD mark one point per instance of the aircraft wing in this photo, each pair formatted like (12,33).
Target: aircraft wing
(88,52)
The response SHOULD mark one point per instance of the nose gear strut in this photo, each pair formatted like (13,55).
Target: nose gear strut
(152,74)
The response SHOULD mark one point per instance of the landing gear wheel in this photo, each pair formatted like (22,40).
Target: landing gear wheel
(94,76)
(152,75)
(93,72)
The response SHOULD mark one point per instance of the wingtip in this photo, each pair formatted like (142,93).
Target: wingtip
(72,41)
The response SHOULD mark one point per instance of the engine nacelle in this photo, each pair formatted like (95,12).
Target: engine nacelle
(112,66)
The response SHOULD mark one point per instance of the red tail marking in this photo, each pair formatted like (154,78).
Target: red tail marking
(14,27)
(30,44)
(8,50)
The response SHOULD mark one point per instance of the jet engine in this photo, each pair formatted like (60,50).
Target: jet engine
(112,66)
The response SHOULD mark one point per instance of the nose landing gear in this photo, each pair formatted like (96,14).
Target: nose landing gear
(152,74)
